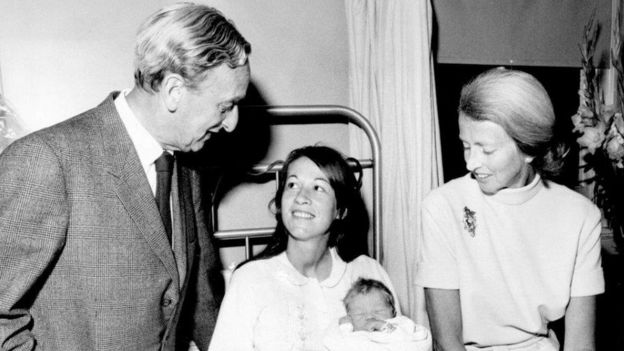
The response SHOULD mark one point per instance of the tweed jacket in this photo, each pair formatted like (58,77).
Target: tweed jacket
(85,263)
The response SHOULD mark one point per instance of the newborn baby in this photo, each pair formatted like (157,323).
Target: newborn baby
(372,323)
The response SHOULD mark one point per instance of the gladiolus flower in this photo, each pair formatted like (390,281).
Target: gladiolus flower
(615,147)
(619,123)
(592,137)
(577,121)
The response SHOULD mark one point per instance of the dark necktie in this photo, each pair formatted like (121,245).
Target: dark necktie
(164,168)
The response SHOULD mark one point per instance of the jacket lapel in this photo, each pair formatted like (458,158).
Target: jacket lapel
(131,185)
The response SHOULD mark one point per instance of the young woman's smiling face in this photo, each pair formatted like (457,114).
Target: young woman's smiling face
(492,156)
(308,204)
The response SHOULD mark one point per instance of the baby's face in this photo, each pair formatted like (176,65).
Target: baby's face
(362,309)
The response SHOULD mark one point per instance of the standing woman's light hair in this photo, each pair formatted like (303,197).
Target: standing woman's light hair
(517,102)
(186,39)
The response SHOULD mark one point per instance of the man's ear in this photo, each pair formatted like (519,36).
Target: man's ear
(172,90)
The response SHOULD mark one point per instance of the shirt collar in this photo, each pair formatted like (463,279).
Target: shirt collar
(518,196)
(285,270)
(146,146)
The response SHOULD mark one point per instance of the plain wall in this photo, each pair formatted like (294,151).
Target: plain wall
(59,58)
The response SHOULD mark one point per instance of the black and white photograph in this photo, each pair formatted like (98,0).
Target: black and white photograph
(312,175)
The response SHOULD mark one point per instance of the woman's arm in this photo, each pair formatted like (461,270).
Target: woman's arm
(238,312)
(580,324)
(444,309)
(421,307)
(587,282)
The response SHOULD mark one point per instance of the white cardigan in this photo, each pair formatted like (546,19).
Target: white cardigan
(270,306)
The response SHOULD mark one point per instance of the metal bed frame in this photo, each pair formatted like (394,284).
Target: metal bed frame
(283,115)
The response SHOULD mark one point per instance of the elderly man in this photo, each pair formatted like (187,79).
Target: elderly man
(103,244)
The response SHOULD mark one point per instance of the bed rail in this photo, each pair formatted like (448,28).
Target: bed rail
(284,115)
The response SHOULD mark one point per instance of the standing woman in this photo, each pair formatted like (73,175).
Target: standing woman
(287,296)
(505,249)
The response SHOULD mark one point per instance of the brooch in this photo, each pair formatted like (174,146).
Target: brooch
(470,222)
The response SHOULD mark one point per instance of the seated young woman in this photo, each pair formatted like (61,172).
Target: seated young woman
(287,297)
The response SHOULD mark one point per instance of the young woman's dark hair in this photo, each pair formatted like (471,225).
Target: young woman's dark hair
(348,233)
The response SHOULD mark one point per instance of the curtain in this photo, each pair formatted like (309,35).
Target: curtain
(391,82)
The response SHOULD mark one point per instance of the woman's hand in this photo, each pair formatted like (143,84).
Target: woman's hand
(444,309)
